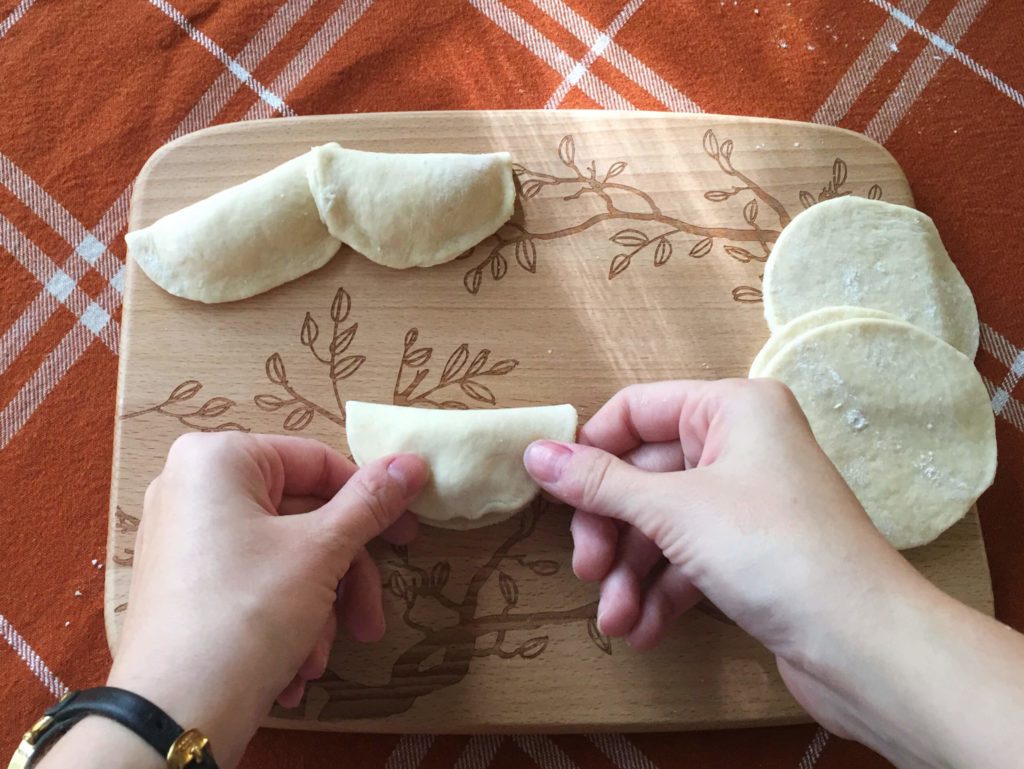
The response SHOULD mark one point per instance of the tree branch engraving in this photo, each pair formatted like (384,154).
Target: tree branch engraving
(177,406)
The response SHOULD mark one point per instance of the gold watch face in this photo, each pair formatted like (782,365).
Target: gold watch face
(188,751)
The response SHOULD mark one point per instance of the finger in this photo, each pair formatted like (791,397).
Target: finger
(291,696)
(619,608)
(664,601)
(374,498)
(594,539)
(316,662)
(362,607)
(655,413)
(664,457)
(299,505)
(403,531)
(310,468)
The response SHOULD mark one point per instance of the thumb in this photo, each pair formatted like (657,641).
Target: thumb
(374,498)
(594,480)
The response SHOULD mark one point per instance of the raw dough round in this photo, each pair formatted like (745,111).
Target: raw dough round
(867,253)
(806,322)
(903,416)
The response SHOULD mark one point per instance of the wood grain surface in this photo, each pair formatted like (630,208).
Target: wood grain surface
(635,255)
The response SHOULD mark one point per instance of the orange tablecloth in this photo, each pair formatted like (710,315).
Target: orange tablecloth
(90,88)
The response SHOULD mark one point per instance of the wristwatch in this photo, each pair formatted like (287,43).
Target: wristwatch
(181,748)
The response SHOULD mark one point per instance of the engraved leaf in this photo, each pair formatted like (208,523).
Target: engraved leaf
(503,367)
(299,419)
(419,357)
(543,568)
(472,280)
(807,199)
(215,407)
(120,608)
(702,248)
(726,149)
(124,523)
(275,369)
(343,339)
(518,169)
(185,390)
(440,573)
(402,551)
(742,255)
(601,641)
(750,211)
(526,255)
(267,402)
(531,187)
(411,336)
(875,193)
(478,392)
(478,362)
(345,367)
(456,405)
(499,266)
(716,196)
(397,585)
(711,144)
(662,252)
(567,151)
(509,589)
(747,294)
(533,648)
(455,363)
(227,427)
(310,331)
(341,305)
(838,173)
(615,169)
(629,238)
(618,265)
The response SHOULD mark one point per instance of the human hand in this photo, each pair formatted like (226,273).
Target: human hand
(237,584)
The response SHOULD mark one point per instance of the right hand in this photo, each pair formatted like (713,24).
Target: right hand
(725,482)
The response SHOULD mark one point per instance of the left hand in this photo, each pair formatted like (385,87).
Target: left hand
(237,581)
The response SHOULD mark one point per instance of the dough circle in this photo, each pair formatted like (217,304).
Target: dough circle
(475,456)
(903,416)
(868,253)
(806,322)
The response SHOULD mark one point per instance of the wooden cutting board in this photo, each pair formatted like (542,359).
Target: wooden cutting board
(635,255)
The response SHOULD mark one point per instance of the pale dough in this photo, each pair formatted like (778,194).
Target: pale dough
(805,322)
(868,253)
(241,241)
(903,416)
(475,456)
(411,210)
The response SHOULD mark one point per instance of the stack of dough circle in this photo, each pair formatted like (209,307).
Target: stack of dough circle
(868,253)
(904,417)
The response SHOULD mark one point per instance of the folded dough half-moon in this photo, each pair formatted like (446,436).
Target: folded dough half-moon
(240,242)
(411,210)
(475,456)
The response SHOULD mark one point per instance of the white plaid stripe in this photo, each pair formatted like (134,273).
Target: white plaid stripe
(34,661)
(951,50)
(1003,402)
(409,751)
(596,50)
(339,22)
(921,71)
(814,749)
(867,65)
(619,57)
(543,751)
(479,752)
(523,32)
(233,65)
(621,751)
(12,18)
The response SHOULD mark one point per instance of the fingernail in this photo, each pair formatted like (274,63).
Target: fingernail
(545,460)
(409,472)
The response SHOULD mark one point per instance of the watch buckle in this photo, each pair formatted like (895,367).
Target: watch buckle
(188,751)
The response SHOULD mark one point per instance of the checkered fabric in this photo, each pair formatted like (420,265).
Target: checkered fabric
(89,88)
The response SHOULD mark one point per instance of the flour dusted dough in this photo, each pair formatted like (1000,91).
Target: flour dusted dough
(902,415)
(806,322)
(868,253)
(475,456)
(411,210)
(242,241)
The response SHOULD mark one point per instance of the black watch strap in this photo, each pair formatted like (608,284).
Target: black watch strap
(130,710)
